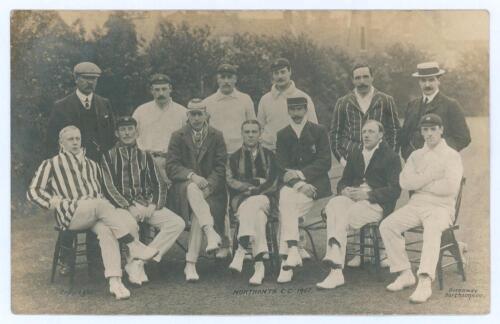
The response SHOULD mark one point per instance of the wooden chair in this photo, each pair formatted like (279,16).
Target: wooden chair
(77,249)
(449,244)
(369,239)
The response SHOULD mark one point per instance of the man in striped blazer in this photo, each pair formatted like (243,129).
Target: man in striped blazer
(355,108)
(132,181)
(70,184)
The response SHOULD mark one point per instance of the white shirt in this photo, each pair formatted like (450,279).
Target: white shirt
(368,154)
(155,125)
(364,102)
(227,113)
(273,112)
(434,175)
(430,98)
(297,128)
(85,98)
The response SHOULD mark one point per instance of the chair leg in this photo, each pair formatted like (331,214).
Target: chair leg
(72,261)
(235,237)
(439,270)
(362,247)
(274,256)
(313,246)
(376,251)
(55,259)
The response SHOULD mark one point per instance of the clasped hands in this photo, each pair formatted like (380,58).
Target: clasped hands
(356,194)
(140,212)
(202,183)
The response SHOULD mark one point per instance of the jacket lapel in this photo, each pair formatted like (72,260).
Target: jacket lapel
(375,99)
(433,105)
(374,160)
(204,146)
(351,98)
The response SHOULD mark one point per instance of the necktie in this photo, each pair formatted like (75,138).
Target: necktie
(87,105)
(426,100)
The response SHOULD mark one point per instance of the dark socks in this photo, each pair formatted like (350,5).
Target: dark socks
(244,241)
(126,239)
(333,241)
(291,243)
(259,257)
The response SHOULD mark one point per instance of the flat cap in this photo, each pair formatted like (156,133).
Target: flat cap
(196,104)
(125,121)
(430,120)
(298,102)
(227,68)
(87,68)
(159,78)
(280,63)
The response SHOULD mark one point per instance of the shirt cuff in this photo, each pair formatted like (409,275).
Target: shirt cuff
(301,175)
(189,175)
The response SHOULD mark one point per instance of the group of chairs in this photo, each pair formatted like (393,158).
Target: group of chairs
(368,247)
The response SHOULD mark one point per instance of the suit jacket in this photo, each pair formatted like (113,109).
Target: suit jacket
(210,163)
(456,132)
(310,154)
(68,111)
(348,119)
(382,175)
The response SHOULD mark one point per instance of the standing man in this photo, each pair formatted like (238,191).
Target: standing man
(157,120)
(132,182)
(88,111)
(368,190)
(456,132)
(70,184)
(434,173)
(304,159)
(196,164)
(93,116)
(228,108)
(273,110)
(355,108)
(252,180)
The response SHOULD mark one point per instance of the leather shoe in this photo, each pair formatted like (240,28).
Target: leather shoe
(137,250)
(258,275)
(285,276)
(213,239)
(117,288)
(190,272)
(132,270)
(334,279)
(423,291)
(237,263)
(293,259)
(404,280)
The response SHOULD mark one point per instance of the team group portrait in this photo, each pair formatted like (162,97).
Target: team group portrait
(239,162)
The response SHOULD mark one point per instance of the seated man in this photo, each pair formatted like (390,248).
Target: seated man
(433,173)
(368,190)
(252,180)
(70,183)
(304,159)
(133,182)
(196,164)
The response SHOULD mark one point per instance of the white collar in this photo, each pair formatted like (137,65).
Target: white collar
(365,151)
(298,128)
(438,148)
(368,95)
(276,93)
(233,94)
(431,97)
(83,97)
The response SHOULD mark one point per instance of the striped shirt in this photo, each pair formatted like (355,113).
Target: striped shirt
(348,119)
(66,177)
(130,174)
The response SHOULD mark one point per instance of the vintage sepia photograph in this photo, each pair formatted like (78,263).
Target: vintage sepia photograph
(250,162)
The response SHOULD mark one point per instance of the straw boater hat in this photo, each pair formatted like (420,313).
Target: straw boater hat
(428,69)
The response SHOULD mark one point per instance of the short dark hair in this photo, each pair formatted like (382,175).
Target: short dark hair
(376,122)
(251,122)
(361,65)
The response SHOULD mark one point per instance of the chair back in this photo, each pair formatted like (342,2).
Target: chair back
(458,200)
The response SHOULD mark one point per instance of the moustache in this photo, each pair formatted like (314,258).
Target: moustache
(362,86)
(162,97)
(428,88)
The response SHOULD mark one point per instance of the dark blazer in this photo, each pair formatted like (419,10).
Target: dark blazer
(211,164)
(67,111)
(382,175)
(310,154)
(456,132)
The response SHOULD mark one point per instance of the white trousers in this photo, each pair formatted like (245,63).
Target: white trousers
(109,224)
(292,206)
(170,226)
(252,214)
(435,219)
(343,214)
(201,217)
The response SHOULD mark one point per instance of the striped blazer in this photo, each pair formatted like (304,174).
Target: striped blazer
(130,174)
(65,177)
(348,119)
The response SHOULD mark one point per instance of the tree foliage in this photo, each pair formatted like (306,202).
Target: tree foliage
(44,50)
